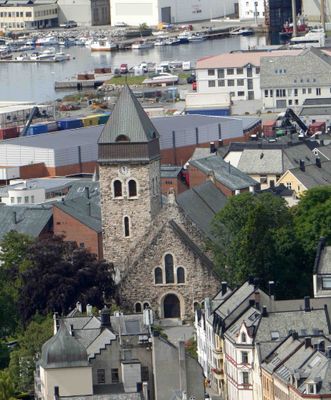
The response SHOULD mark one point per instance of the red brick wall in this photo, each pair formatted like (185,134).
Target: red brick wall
(176,184)
(73,230)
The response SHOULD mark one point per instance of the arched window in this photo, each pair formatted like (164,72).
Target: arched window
(146,305)
(243,337)
(196,305)
(117,188)
(137,308)
(132,188)
(158,275)
(126,227)
(122,138)
(180,275)
(169,268)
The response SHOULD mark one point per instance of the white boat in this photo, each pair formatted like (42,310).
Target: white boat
(142,44)
(196,37)
(47,41)
(163,77)
(159,42)
(242,31)
(60,56)
(103,45)
(47,54)
(315,39)
(23,57)
(172,41)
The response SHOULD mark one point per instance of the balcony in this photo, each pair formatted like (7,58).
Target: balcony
(218,353)
(218,373)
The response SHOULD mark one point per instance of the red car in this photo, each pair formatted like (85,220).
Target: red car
(194,86)
(124,68)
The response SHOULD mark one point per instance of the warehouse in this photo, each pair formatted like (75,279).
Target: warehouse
(75,151)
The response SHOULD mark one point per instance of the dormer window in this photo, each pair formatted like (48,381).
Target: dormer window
(311,388)
(243,338)
(122,138)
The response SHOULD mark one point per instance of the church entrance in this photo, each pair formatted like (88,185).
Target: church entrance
(171,306)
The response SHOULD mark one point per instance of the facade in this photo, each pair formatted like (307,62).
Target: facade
(236,75)
(22,16)
(157,255)
(322,270)
(251,10)
(172,178)
(153,12)
(288,81)
(91,12)
(312,10)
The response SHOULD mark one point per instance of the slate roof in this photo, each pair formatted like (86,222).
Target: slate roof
(201,203)
(84,210)
(325,151)
(30,220)
(170,171)
(78,190)
(323,259)
(250,318)
(229,176)
(313,175)
(129,119)
(309,111)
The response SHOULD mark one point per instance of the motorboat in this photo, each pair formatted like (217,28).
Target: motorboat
(5,55)
(287,30)
(184,37)
(310,39)
(161,78)
(142,44)
(173,41)
(160,42)
(242,31)
(103,45)
(47,54)
(47,41)
(23,57)
(196,37)
(60,56)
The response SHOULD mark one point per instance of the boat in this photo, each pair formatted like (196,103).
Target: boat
(159,42)
(242,31)
(47,41)
(47,54)
(161,78)
(287,30)
(184,37)
(142,44)
(310,39)
(60,56)
(5,55)
(23,57)
(172,41)
(196,37)
(103,45)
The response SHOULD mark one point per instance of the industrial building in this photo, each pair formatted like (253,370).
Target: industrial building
(75,151)
(91,12)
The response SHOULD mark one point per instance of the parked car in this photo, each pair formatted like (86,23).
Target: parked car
(69,24)
(124,68)
(120,24)
(191,79)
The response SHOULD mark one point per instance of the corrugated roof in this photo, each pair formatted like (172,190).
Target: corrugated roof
(128,119)
(233,178)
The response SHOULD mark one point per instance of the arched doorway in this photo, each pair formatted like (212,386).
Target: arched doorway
(171,306)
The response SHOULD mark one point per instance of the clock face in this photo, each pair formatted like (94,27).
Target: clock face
(124,170)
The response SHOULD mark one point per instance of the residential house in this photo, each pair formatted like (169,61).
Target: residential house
(288,81)
(229,179)
(306,177)
(322,270)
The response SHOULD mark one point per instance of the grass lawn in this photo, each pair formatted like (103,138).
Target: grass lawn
(130,80)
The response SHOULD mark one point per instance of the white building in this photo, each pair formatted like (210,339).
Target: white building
(251,10)
(289,81)
(234,74)
(91,12)
(152,12)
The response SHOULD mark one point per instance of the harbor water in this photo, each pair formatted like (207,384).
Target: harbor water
(35,81)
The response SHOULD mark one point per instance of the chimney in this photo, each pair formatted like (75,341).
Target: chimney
(264,311)
(79,307)
(251,302)
(271,288)
(318,162)
(302,165)
(295,335)
(250,279)
(56,323)
(220,143)
(257,299)
(89,310)
(105,317)
(15,217)
(307,342)
(89,208)
(321,346)
(87,192)
(224,288)
(212,147)
(256,283)
(306,300)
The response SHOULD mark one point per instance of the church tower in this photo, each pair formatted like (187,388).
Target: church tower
(129,168)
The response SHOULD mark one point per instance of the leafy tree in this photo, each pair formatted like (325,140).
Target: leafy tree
(60,274)
(312,219)
(4,356)
(7,388)
(254,237)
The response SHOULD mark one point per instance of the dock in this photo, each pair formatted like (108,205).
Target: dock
(80,84)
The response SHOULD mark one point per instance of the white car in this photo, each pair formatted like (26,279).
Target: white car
(120,24)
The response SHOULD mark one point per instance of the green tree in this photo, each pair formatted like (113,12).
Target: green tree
(254,237)
(7,387)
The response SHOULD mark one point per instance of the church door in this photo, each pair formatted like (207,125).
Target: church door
(171,306)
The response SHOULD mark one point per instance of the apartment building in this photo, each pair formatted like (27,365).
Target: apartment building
(28,15)
(288,81)
(236,74)
(251,10)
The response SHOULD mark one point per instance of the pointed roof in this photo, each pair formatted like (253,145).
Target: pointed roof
(129,120)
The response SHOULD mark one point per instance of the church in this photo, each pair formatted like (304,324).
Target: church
(157,250)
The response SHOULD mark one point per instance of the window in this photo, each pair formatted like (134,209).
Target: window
(311,388)
(244,357)
(146,305)
(295,92)
(211,72)
(28,14)
(240,82)
(318,91)
(137,308)
(126,222)
(290,102)
(245,378)
(296,102)
(12,200)
(309,90)
(211,83)
(117,188)
(19,200)
(158,276)
(230,82)
(257,70)
(289,185)
(114,375)
(243,337)
(180,275)
(230,71)
(32,199)
(169,268)
(240,71)
(26,199)
(250,84)
(303,91)
(132,185)
(266,93)
(101,378)
(221,83)
(241,94)
(326,282)
(122,138)
(220,73)
(81,245)
(271,93)
(196,306)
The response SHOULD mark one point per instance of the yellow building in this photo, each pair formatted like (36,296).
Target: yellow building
(21,16)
